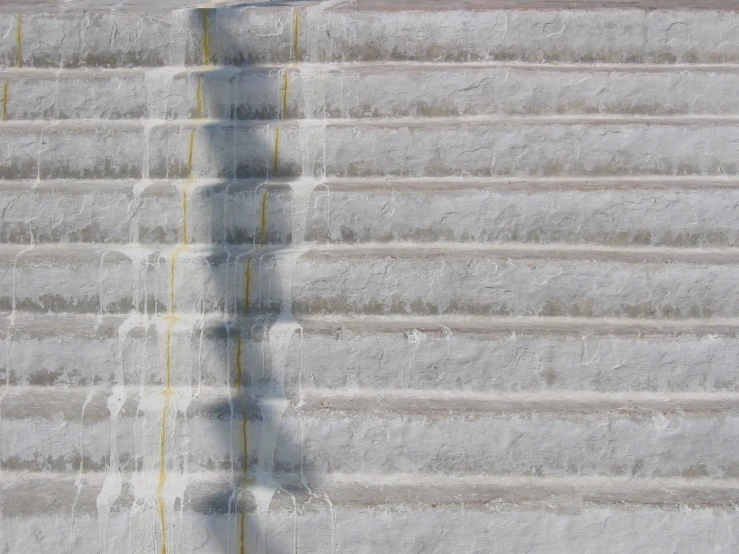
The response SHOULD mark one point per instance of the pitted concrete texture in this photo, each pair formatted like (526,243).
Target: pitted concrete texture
(243,35)
(369,276)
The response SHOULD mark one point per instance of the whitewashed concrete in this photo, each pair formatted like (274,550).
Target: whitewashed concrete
(339,277)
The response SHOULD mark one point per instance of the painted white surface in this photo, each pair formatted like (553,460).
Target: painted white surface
(475,291)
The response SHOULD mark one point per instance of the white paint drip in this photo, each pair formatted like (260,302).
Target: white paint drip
(8,335)
(78,481)
(138,190)
(113,481)
(414,337)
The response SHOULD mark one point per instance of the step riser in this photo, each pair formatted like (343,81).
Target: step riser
(375,91)
(120,214)
(315,150)
(111,282)
(440,360)
(207,438)
(244,36)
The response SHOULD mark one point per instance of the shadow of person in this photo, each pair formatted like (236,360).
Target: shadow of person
(248,180)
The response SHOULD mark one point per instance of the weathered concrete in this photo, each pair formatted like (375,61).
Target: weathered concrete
(371,90)
(373,515)
(440,353)
(473,280)
(343,33)
(475,291)
(693,211)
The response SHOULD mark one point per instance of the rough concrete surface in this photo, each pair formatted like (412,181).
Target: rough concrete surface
(365,277)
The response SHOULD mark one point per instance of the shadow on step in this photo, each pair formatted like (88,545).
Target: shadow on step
(253,218)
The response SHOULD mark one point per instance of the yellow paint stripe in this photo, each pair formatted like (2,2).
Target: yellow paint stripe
(239,369)
(6,87)
(167,393)
(242,524)
(19,40)
(263,219)
(207,58)
(276,152)
(296,33)
(199,98)
(247,285)
(191,153)
(284,92)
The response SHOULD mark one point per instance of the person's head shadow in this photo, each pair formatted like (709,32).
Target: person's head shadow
(240,163)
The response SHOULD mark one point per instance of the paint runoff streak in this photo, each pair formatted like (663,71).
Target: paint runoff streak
(190,153)
(247,285)
(172,319)
(276,152)
(6,87)
(263,219)
(180,247)
(207,58)
(199,100)
(19,40)
(239,368)
(243,540)
(296,31)
(285,83)
(242,523)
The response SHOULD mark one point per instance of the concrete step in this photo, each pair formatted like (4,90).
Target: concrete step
(368,514)
(463,354)
(558,434)
(244,211)
(556,146)
(693,211)
(502,280)
(370,90)
(348,31)
(515,280)
(362,277)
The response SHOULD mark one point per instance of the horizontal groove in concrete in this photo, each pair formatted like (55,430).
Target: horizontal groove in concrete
(41,403)
(564,252)
(482,492)
(368,90)
(363,122)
